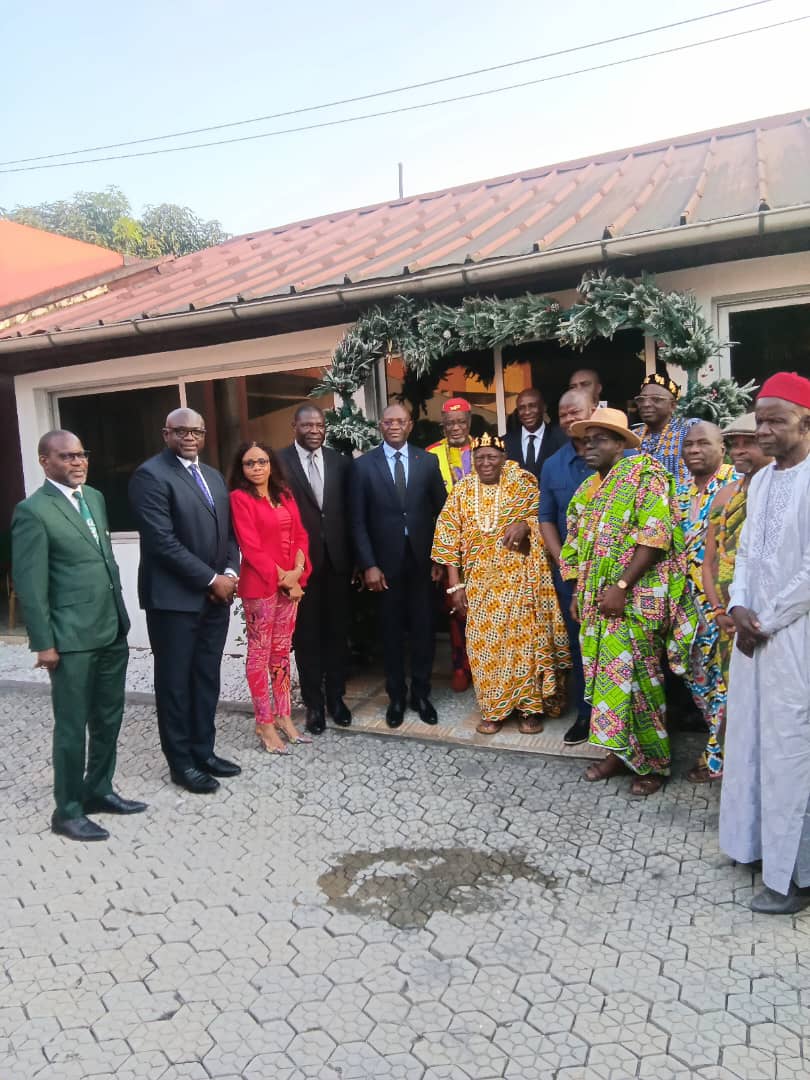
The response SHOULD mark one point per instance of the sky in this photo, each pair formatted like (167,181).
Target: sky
(82,75)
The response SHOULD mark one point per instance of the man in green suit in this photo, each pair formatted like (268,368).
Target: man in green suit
(67,580)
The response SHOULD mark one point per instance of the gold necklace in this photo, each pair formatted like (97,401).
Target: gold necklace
(488,524)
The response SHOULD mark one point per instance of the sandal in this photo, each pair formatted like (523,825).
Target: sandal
(603,770)
(531,724)
(701,774)
(489,727)
(647,785)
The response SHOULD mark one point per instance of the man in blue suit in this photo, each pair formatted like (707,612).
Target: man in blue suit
(397,492)
(186,582)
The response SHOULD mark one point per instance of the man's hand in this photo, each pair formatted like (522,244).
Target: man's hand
(222,588)
(749,631)
(612,602)
(458,599)
(48,659)
(726,624)
(436,572)
(514,536)
(374,579)
(574,608)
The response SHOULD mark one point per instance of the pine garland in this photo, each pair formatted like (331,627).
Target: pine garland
(721,401)
(424,333)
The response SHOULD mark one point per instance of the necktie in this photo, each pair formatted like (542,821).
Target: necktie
(399,477)
(195,472)
(530,459)
(315,481)
(84,510)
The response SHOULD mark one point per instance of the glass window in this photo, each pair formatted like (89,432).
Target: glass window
(246,407)
(120,428)
(426,397)
(768,340)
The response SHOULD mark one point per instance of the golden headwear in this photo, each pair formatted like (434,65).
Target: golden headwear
(488,439)
(663,380)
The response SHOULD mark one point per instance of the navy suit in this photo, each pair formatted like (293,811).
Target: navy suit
(553,439)
(397,538)
(184,544)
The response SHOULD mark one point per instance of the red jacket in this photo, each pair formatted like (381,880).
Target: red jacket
(255,523)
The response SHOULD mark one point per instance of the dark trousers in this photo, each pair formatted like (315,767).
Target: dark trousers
(565,592)
(321,636)
(187,649)
(87,691)
(407,610)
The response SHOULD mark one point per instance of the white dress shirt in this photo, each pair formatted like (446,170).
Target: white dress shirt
(538,440)
(67,492)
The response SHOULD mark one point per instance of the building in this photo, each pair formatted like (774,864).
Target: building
(242,331)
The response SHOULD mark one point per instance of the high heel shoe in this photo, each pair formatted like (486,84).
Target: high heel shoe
(270,749)
(300,737)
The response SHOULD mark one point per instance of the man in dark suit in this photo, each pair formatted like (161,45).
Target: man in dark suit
(319,480)
(396,495)
(67,580)
(186,583)
(534,440)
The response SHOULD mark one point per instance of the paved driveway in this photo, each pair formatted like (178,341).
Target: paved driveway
(379,908)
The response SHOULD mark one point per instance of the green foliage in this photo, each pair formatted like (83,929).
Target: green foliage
(425,334)
(105,218)
(721,401)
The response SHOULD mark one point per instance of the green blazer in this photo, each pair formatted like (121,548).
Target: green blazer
(68,586)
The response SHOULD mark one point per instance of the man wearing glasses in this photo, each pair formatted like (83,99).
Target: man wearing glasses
(186,584)
(661,432)
(67,580)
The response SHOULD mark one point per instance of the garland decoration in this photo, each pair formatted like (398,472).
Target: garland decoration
(424,333)
(720,402)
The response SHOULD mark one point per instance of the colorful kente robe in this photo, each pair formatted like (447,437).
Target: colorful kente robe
(455,462)
(516,637)
(705,675)
(608,519)
(667,445)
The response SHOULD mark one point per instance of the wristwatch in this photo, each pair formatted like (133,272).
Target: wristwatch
(622,584)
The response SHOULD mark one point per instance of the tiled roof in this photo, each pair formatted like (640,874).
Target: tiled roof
(33,261)
(705,177)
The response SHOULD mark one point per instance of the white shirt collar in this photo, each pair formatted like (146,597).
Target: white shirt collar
(66,491)
(303,454)
(187,462)
(391,450)
(538,434)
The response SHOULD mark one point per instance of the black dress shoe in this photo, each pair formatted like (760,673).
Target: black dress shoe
(395,713)
(218,766)
(114,804)
(316,721)
(340,713)
(427,712)
(196,781)
(78,828)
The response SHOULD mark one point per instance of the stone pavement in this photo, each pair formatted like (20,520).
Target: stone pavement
(386,909)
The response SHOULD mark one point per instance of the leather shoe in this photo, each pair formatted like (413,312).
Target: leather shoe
(340,712)
(770,902)
(114,804)
(195,780)
(425,708)
(395,713)
(218,766)
(316,722)
(78,828)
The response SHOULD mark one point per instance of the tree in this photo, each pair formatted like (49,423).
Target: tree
(106,218)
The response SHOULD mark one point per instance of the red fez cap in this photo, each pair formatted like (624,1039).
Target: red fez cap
(789,386)
(456,404)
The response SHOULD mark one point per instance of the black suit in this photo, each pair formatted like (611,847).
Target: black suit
(184,544)
(379,524)
(322,624)
(553,438)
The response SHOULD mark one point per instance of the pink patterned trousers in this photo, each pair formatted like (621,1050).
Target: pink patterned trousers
(270,625)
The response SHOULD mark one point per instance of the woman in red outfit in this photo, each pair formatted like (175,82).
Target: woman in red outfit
(275,568)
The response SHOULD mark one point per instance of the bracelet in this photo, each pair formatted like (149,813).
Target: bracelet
(717,610)
(455,588)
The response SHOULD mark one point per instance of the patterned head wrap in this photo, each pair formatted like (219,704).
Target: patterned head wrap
(663,381)
(490,440)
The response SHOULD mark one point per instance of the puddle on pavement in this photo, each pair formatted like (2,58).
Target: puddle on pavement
(406,886)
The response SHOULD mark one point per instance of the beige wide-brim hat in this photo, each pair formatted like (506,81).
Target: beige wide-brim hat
(611,420)
(743,425)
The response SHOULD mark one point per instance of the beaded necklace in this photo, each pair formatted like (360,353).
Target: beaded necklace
(488,524)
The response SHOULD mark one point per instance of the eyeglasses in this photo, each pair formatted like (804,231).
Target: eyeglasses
(183,432)
(76,455)
(256,463)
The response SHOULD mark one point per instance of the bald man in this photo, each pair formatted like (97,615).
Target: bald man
(186,583)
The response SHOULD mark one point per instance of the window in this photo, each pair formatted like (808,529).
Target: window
(455,382)
(120,428)
(246,407)
(768,340)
